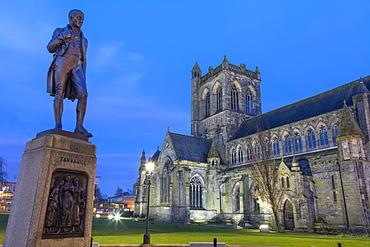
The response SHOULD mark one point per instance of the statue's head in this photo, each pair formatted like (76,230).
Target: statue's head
(76,18)
(67,177)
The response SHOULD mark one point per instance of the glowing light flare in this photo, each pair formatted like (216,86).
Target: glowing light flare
(149,167)
(117,216)
(264,228)
(97,215)
(110,216)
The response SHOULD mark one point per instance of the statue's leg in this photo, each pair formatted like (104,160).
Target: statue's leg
(60,78)
(79,80)
(81,109)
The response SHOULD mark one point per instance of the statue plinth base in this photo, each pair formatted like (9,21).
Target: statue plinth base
(53,201)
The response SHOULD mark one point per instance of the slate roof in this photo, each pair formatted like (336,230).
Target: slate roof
(304,164)
(155,157)
(316,105)
(190,148)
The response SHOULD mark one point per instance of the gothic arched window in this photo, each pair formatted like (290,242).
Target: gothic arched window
(335,131)
(219,99)
(285,182)
(250,102)
(248,153)
(234,98)
(196,192)
(282,182)
(255,207)
(233,156)
(311,139)
(287,144)
(207,109)
(297,142)
(275,147)
(323,136)
(257,151)
(165,182)
(236,196)
(240,155)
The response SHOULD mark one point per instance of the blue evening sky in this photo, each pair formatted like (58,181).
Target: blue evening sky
(139,61)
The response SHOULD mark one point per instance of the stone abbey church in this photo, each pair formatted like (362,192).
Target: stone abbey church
(320,146)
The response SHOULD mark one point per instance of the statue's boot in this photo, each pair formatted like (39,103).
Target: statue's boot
(80,115)
(81,130)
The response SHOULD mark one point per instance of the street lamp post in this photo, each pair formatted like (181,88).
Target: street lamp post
(149,168)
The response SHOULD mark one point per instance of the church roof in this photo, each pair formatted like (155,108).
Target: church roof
(316,105)
(155,157)
(190,148)
(304,164)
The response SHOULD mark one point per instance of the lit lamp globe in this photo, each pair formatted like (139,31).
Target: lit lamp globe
(149,167)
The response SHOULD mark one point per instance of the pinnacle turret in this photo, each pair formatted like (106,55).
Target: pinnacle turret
(348,125)
(196,71)
(143,159)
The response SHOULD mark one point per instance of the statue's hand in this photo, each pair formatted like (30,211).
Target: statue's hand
(66,35)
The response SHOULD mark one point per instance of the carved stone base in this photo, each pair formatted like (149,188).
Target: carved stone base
(53,201)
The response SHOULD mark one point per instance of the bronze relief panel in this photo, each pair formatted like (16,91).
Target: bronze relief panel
(66,207)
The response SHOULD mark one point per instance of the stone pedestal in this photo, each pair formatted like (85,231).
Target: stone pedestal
(53,201)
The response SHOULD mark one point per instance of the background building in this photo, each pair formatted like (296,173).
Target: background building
(6,195)
(320,146)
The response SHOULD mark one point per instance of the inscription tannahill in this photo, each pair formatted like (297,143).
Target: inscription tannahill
(71,160)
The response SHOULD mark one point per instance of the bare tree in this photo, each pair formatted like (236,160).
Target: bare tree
(265,173)
(119,192)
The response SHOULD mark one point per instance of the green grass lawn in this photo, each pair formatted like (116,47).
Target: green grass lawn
(127,231)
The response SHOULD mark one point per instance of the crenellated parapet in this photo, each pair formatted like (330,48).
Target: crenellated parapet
(231,67)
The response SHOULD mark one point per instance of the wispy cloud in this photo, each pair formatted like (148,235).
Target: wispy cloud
(106,55)
(118,155)
(24,38)
(134,56)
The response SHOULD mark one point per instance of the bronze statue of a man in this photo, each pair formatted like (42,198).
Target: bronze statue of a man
(67,73)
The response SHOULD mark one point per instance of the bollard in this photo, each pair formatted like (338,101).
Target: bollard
(339,245)
(215,242)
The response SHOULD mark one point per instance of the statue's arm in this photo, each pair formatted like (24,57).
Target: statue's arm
(58,39)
